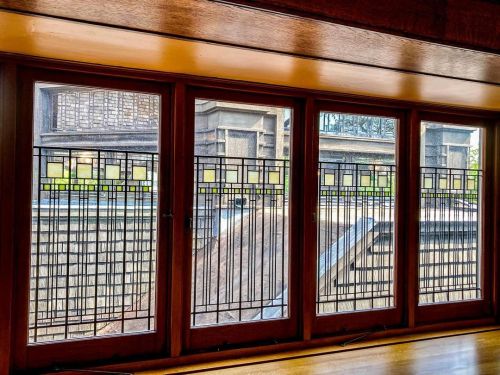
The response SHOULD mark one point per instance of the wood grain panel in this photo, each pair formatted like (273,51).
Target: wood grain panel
(72,41)
(462,22)
(475,353)
(228,24)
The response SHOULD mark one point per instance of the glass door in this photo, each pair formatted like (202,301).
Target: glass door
(241,248)
(453,225)
(356,218)
(94,231)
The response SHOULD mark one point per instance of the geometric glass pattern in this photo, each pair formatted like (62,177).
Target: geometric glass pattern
(471,183)
(112,172)
(428,183)
(209,175)
(54,170)
(329,179)
(365,180)
(139,173)
(347,180)
(274,177)
(253,177)
(231,177)
(443,183)
(83,170)
(382,181)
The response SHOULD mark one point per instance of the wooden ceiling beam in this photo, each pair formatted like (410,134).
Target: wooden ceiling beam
(263,30)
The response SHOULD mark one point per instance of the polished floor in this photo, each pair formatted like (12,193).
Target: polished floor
(473,353)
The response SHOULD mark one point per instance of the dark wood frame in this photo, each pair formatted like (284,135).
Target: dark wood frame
(377,319)
(469,309)
(93,349)
(14,68)
(198,338)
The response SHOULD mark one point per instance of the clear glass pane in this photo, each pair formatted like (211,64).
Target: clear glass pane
(355,213)
(240,223)
(93,256)
(450,212)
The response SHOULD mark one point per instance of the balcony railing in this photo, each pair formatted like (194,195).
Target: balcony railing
(93,260)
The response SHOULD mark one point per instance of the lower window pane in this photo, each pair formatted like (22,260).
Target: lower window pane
(450,212)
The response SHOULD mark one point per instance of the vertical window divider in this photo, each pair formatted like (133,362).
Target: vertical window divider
(308,217)
(411,172)
(179,166)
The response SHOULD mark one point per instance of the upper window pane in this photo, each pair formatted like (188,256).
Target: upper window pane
(93,255)
(450,213)
(355,212)
(240,208)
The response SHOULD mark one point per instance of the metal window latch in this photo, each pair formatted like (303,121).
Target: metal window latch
(314,217)
(168,215)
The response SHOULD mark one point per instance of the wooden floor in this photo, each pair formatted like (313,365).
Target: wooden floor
(477,353)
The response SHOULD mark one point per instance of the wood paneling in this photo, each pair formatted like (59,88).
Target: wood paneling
(462,22)
(221,23)
(7,171)
(67,40)
(418,354)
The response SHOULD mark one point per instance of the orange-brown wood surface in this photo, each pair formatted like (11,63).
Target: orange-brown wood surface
(473,353)
(67,40)
(227,24)
(466,22)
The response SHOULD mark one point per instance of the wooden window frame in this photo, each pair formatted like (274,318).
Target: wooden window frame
(467,309)
(27,356)
(174,348)
(376,319)
(276,330)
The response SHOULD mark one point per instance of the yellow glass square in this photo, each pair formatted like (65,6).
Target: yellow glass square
(273,177)
(382,181)
(347,180)
(253,177)
(55,170)
(112,172)
(139,173)
(84,170)
(231,177)
(443,183)
(365,180)
(329,179)
(471,183)
(457,183)
(427,182)
(209,175)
